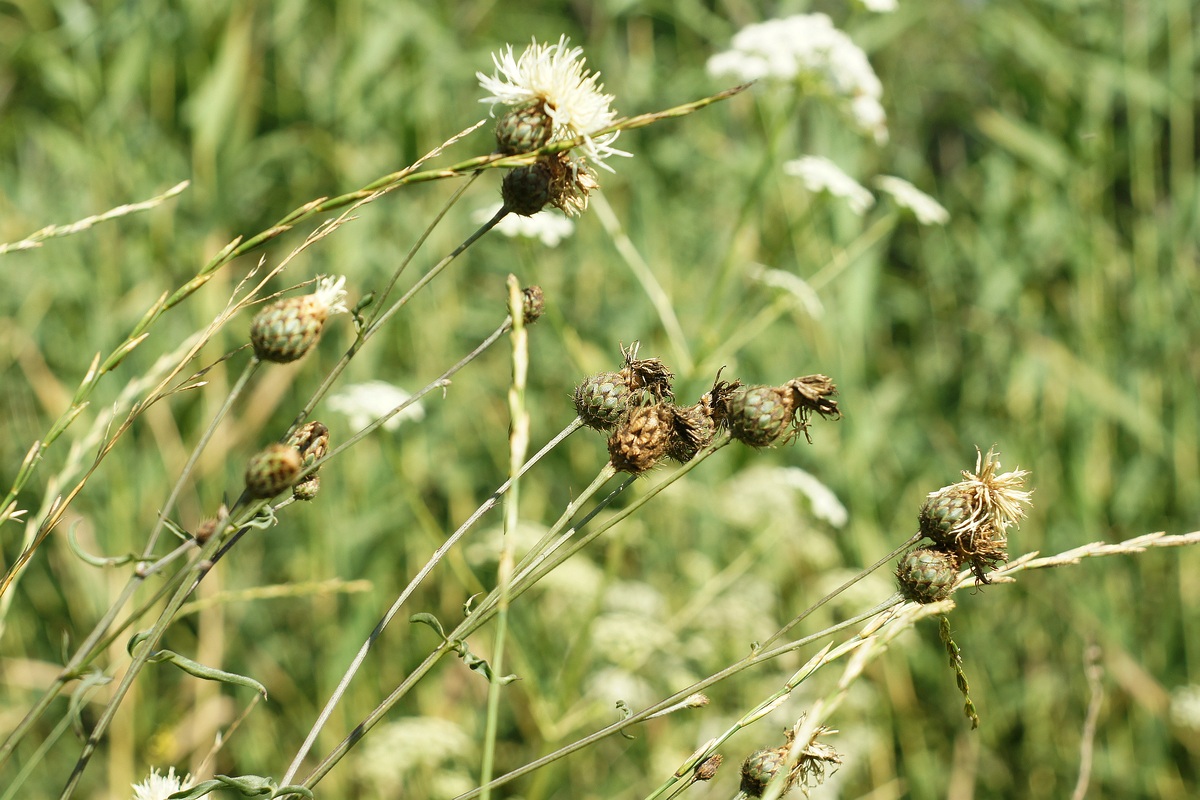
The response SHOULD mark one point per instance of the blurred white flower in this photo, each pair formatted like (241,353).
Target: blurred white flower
(880,6)
(825,504)
(927,210)
(628,639)
(1185,706)
(822,175)
(160,787)
(549,227)
(808,46)
(366,402)
(792,284)
(397,748)
(554,75)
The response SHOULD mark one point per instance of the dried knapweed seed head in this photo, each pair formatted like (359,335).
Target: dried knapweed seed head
(205,530)
(533,304)
(285,330)
(308,487)
(706,770)
(650,374)
(971,518)
(526,190)
(312,440)
(761,416)
(759,767)
(808,771)
(572,182)
(272,470)
(641,440)
(523,129)
(603,400)
(695,426)
(926,575)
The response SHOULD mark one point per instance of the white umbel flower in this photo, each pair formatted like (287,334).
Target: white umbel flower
(366,402)
(822,175)
(554,75)
(808,46)
(547,226)
(927,210)
(160,787)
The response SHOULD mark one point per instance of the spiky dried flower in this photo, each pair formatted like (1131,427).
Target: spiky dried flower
(706,770)
(533,304)
(808,771)
(550,80)
(971,518)
(762,416)
(641,440)
(603,400)
(286,330)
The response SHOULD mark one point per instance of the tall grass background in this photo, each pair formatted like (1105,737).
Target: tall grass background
(1054,315)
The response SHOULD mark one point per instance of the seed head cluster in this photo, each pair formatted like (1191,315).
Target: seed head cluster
(277,466)
(967,523)
(636,407)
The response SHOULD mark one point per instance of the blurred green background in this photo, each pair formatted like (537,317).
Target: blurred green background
(1054,316)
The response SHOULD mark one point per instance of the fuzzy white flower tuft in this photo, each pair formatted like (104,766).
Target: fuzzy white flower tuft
(822,175)
(366,402)
(808,46)
(160,787)
(927,210)
(547,226)
(331,293)
(554,75)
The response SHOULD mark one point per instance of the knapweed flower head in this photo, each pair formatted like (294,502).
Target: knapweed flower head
(550,80)
(286,330)
(807,772)
(970,519)
(807,47)
(822,175)
(927,210)
(159,787)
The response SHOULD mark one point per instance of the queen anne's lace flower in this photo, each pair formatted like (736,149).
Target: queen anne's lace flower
(160,787)
(551,228)
(808,46)
(554,75)
(366,402)
(927,210)
(822,175)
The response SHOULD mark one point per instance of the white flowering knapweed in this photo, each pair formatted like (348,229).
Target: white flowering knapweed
(927,210)
(822,175)
(547,226)
(366,402)
(808,47)
(160,787)
(573,98)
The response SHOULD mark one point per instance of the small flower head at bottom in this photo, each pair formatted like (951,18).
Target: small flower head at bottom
(160,787)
